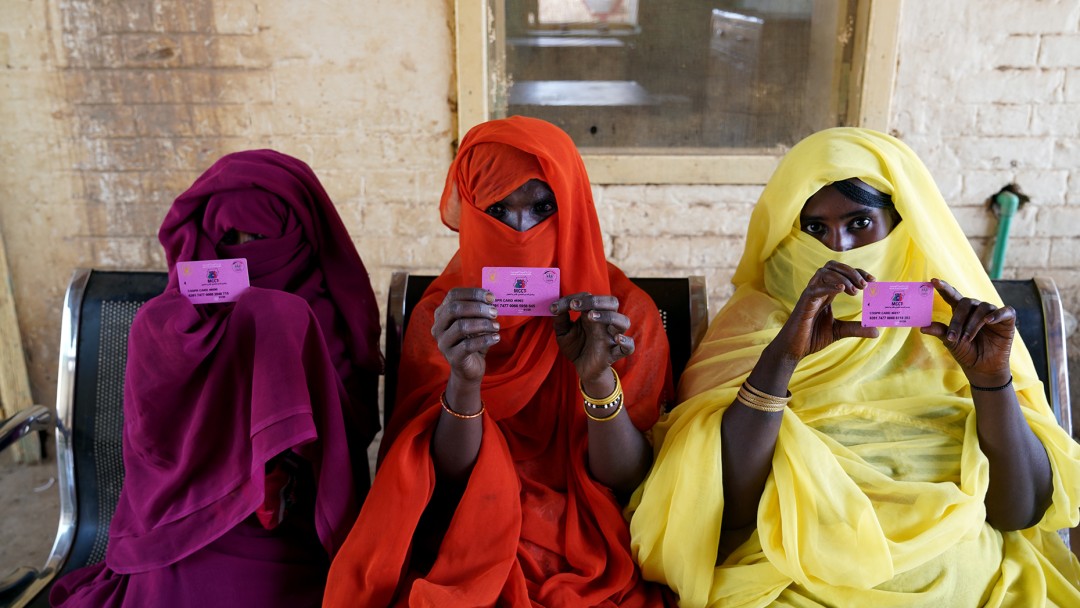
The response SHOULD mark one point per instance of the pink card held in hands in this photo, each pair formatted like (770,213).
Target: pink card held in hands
(888,304)
(522,291)
(213,281)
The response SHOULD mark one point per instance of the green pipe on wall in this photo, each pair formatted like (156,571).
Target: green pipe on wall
(1007,203)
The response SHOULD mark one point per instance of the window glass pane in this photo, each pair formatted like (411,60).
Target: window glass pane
(670,76)
(588,14)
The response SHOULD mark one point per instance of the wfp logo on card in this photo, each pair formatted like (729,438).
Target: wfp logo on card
(549,276)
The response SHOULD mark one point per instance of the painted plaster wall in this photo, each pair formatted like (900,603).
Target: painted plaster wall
(109,109)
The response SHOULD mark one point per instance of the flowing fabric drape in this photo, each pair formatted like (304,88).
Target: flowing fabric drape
(876,492)
(532,528)
(215,393)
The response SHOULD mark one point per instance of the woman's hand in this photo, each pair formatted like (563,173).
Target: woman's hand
(597,339)
(811,326)
(465,328)
(979,336)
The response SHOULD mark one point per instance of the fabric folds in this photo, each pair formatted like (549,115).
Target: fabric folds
(217,395)
(876,492)
(531,528)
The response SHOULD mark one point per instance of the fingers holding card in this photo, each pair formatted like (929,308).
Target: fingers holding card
(897,304)
(522,291)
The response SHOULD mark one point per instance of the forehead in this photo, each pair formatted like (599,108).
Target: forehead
(527,193)
(828,203)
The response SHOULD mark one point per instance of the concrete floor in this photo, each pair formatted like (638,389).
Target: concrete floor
(29,512)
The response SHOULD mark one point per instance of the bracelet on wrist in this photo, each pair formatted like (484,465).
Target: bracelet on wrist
(611,416)
(991,389)
(446,406)
(759,400)
(606,402)
(614,401)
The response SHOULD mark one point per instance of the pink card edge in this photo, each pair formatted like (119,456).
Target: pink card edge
(862,307)
(543,312)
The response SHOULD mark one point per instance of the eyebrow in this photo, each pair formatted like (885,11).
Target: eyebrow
(815,218)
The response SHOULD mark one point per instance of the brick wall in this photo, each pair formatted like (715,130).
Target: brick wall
(1000,103)
(110,109)
(988,95)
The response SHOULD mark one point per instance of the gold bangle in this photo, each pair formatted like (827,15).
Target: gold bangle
(754,400)
(446,406)
(606,401)
(761,408)
(609,416)
(760,393)
(615,405)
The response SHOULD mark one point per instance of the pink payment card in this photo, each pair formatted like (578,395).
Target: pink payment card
(213,281)
(888,304)
(522,291)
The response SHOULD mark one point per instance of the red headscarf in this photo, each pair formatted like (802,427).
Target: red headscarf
(532,525)
(214,392)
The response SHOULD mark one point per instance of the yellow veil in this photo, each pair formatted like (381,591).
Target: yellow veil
(877,484)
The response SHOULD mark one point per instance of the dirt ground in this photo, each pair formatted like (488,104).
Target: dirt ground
(29,512)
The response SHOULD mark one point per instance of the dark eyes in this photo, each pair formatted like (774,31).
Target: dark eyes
(234,237)
(545,207)
(542,208)
(231,238)
(859,223)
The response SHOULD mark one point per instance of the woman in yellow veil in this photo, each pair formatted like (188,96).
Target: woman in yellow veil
(813,461)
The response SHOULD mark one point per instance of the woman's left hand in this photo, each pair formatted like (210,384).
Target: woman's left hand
(597,339)
(979,336)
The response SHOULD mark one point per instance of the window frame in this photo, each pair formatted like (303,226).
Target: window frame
(873,74)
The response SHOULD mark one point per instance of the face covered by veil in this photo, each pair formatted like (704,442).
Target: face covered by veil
(216,392)
(877,478)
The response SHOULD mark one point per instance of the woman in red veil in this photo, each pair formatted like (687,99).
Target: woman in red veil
(514,438)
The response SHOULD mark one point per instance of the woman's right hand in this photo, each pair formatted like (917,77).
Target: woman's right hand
(811,326)
(465,328)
